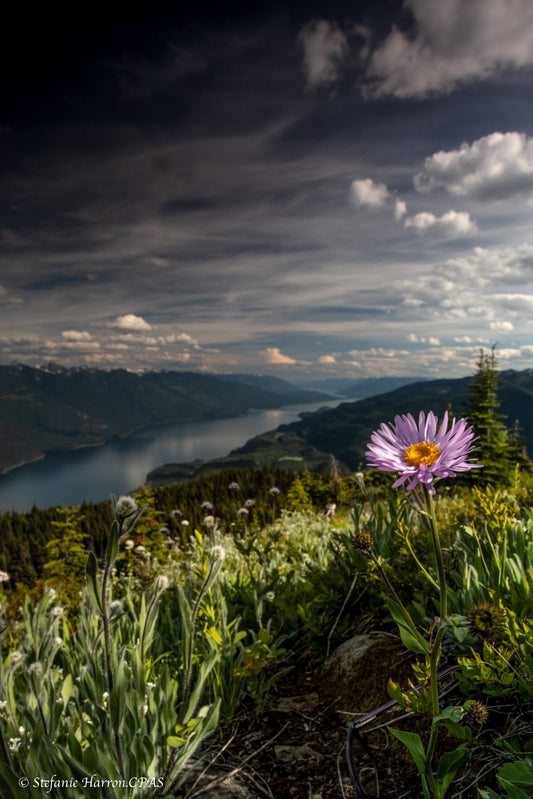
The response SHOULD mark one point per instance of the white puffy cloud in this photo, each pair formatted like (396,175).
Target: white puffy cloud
(491,168)
(433,341)
(326,359)
(502,326)
(131,322)
(177,338)
(76,335)
(324,45)
(274,356)
(366,193)
(450,43)
(452,223)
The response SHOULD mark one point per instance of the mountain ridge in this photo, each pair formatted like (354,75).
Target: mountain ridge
(343,432)
(57,408)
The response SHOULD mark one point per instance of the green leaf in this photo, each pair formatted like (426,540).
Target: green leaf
(395,692)
(66,689)
(449,765)
(519,773)
(174,741)
(454,714)
(414,744)
(112,545)
(459,731)
(214,634)
(264,636)
(512,791)
(411,642)
(407,629)
(489,794)
(91,573)
(9,781)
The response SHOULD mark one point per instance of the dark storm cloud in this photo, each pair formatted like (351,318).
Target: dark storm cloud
(191,170)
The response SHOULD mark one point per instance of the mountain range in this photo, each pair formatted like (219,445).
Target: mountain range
(343,432)
(53,409)
(362,387)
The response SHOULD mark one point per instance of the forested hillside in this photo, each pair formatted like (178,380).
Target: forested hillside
(344,431)
(55,409)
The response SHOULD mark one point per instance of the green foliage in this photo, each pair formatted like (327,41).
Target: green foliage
(298,498)
(169,639)
(67,553)
(497,449)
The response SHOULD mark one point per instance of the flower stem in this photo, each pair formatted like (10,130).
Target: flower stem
(431,519)
(108,660)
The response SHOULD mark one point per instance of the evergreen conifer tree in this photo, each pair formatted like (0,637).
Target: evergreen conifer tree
(499,453)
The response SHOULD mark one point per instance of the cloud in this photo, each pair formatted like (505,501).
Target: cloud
(326,359)
(431,340)
(451,42)
(8,299)
(468,293)
(400,209)
(324,45)
(367,194)
(131,322)
(76,335)
(491,168)
(453,223)
(501,326)
(274,356)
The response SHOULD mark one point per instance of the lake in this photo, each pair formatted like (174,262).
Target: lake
(93,473)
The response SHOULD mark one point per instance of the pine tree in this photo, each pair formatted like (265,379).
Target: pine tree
(298,498)
(496,449)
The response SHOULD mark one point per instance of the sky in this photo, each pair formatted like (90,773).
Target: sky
(304,189)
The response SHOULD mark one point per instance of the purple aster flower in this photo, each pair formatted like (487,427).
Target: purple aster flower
(422,452)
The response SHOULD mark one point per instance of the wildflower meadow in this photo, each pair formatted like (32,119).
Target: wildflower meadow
(125,664)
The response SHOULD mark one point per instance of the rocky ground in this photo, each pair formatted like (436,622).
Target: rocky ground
(296,749)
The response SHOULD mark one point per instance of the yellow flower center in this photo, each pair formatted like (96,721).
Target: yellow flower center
(424,452)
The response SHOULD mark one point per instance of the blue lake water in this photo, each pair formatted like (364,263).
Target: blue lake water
(120,466)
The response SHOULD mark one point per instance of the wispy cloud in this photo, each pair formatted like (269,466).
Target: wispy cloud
(324,45)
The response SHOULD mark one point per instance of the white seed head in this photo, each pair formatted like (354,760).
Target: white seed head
(217,552)
(125,506)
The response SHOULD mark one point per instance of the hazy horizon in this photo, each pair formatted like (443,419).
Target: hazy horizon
(306,190)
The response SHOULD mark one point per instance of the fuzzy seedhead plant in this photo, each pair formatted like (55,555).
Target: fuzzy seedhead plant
(101,710)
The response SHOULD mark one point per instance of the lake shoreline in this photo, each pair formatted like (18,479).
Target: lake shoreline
(121,463)
(135,431)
